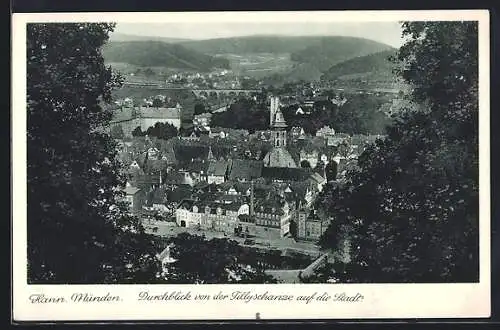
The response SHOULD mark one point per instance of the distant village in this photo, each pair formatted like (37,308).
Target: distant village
(253,185)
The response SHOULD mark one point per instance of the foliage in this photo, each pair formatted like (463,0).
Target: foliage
(419,186)
(377,62)
(332,50)
(117,132)
(199,109)
(163,131)
(359,115)
(210,261)
(293,228)
(331,170)
(305,164)
(138,132)
(156,53)
(77,230)
(243,114)
(158,103)
(257,44)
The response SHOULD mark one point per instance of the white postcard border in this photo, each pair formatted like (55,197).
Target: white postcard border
(380,300)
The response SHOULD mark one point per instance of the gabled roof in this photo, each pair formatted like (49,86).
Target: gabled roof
(217,168)
(186,204)
(245,169)
(286,173)
(316,177)
(131,190)
(196,166)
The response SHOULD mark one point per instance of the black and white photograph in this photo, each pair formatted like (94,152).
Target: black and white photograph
(329,152)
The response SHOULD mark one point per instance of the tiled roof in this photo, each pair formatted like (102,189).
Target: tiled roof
(279,157)
(175,177)
(186,204)
(245,169)
(286,173)
(196,166)
(131,190)
(317,177)
(217,168)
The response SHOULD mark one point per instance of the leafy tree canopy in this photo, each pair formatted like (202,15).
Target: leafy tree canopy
(419,186)
(77,230)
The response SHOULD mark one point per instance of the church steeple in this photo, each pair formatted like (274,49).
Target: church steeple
(277,124)
(210,154)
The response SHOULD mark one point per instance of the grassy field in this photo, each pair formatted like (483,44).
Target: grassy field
(260,64)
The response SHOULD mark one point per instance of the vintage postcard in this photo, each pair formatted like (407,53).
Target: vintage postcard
(251,165)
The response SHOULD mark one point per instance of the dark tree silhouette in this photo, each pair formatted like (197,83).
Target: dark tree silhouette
(117,132)
(77,230)
(418,188)
(162,131)
(305,164)
(138,131)
(331,171)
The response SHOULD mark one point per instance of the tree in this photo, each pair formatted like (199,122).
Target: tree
(117,132)
(164,131)
(199,109)
(243,114)
(293,228)
(148,72)
(78,231)
(305,164)
(419,186)
(138,132)
(157,103)
(331,170)
(210,262)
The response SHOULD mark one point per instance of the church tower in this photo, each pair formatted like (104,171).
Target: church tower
(277,124)
(279,155)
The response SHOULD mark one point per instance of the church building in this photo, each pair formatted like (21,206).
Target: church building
(279,155)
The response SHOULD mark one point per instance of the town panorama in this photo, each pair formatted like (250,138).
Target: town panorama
(251,159)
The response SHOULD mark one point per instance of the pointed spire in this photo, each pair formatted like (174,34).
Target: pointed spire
(210,154)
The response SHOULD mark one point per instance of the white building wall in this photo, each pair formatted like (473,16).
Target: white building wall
(215,179)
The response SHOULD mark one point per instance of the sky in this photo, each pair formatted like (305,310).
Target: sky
(386,32)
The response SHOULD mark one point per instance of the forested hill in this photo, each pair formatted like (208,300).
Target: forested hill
(251,44)
(156,53)
(341,48)
(333,50)
(117,37)
(374,63)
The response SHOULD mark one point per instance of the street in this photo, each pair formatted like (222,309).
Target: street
(166,229)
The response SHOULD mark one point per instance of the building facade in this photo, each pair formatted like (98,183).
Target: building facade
(279,155)
(310,226)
